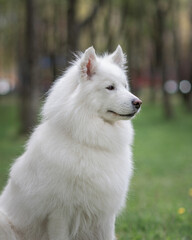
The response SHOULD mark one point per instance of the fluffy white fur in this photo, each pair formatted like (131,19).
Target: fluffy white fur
(72,179)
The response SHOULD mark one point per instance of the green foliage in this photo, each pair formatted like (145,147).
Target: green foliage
(10,144)
(159,205)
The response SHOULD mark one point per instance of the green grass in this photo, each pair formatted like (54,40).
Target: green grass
(11,145)
(162,179)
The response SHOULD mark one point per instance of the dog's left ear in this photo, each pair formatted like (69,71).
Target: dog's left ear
(88,63)
(118,57)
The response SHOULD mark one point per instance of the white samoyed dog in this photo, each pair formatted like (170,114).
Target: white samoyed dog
(72,179)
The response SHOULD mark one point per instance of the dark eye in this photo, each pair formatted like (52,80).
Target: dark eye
(111,87)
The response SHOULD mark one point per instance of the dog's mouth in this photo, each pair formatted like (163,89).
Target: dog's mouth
(122,115)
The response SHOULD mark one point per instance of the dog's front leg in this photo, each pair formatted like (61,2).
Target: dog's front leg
(58,226)
(107,228)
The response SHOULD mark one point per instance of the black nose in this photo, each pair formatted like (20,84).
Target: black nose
(137,103)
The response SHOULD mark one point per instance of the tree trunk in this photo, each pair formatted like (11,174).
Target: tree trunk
(107,27)
(161,56)
(168,110)
(72,30)
(152,97)
(75,27)
(29,78)
(189,95)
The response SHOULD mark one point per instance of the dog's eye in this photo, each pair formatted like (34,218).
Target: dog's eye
(111,87)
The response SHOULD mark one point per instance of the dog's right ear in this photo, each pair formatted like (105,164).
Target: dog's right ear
(118,57)
(88,63)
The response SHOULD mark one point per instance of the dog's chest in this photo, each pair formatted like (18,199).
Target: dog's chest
(95,179)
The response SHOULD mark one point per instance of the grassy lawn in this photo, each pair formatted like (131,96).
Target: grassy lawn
(11,146)
(160,201)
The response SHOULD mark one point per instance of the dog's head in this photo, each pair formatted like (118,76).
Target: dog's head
(105,85)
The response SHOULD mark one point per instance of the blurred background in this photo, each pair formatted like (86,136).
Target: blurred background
(37,39)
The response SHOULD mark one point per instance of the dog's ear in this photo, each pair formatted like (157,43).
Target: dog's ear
(88,63)
(118,57)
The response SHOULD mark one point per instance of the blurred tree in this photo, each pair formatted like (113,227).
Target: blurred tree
(8,32)
(189,95)
(162,9)
(108,26)
(75,27)
(54,38)
(133,16)
(29,68)
(176,38)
